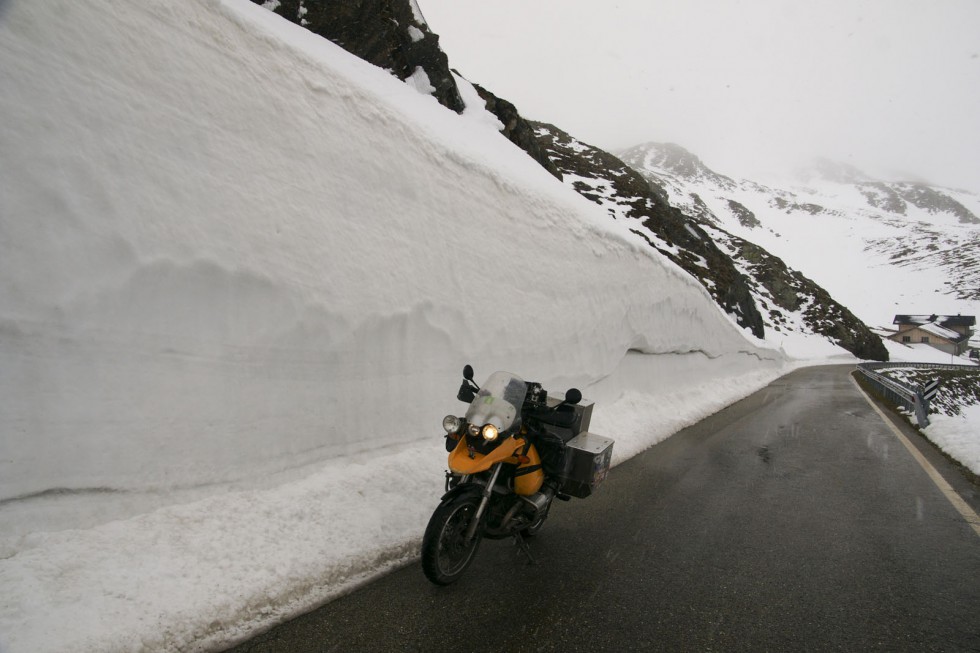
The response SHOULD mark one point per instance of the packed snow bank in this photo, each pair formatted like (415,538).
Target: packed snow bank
(958,436)
(240,271)
(230,248)
(202,575)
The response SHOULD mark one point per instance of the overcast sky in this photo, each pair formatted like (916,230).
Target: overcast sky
(891,86)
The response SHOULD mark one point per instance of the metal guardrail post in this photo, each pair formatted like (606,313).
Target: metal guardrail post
(910,398)
(921,411)
(916,399)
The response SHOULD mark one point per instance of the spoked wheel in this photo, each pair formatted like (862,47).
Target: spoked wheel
(445,552)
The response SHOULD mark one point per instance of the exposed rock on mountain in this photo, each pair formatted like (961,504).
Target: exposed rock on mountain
(517,129)
(783,293)
(786,298)
(607,181)
(746,218)
(934,201)
(877,246)
(881,196)
(391,34)
(896,198)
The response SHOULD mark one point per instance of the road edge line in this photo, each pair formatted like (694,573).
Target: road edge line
(962,507)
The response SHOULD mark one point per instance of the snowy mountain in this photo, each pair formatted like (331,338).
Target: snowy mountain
(880,248)
(763,294)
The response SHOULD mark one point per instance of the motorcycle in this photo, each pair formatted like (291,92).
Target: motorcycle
(514,452)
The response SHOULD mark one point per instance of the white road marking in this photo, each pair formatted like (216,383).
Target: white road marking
(954,498)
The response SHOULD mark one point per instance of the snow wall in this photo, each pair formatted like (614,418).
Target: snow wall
(229,248)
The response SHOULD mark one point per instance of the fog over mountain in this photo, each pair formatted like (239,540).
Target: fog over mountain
(756,89)
(880,248)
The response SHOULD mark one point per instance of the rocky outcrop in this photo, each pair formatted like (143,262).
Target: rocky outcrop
(746,217)
(794,207)
(934,201)
(391,34)
(517,129)
(896,198)
(786,300)
(607,181)
(792,292)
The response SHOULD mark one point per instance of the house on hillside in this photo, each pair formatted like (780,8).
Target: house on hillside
(948,333)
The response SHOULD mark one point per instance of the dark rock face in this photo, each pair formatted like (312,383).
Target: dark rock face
(792,207)
(517,129)
(624,191)
(934,201)
(793,292)
(746,218)
(390,34)
(783,296)
(895,198)
(880,196)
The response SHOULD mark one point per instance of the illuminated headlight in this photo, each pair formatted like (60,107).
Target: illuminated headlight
(451,423)
(490,432)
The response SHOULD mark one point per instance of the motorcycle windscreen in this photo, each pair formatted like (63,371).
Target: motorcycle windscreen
(499,402)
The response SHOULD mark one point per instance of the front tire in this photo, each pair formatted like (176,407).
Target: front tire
(445,554)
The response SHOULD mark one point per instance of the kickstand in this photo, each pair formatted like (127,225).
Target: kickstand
(524,548)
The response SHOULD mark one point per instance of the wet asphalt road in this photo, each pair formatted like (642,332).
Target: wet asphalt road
(793,520)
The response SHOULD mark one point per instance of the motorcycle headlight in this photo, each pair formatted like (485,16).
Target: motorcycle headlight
(451,423)
(490,432)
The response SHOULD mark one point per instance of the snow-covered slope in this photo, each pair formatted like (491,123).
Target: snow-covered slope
(879,248)
(759,291)
(240,271)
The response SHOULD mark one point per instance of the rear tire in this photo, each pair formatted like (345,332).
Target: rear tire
(445,554)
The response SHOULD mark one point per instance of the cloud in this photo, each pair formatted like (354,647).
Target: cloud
(890,85)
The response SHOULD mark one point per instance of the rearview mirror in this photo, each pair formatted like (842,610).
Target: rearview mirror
(573,396)
(468,372)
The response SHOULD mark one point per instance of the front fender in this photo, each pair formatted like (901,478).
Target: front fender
(463,488)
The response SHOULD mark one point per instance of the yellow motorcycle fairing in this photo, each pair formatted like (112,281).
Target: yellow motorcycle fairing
(466,462)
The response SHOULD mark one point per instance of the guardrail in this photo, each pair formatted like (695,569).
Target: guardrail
(914,398)
(911,397)
(930,366)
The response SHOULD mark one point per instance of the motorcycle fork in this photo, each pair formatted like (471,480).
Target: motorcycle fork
(484,500)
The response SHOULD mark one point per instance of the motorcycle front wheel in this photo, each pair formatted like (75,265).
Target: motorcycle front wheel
(445,552)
